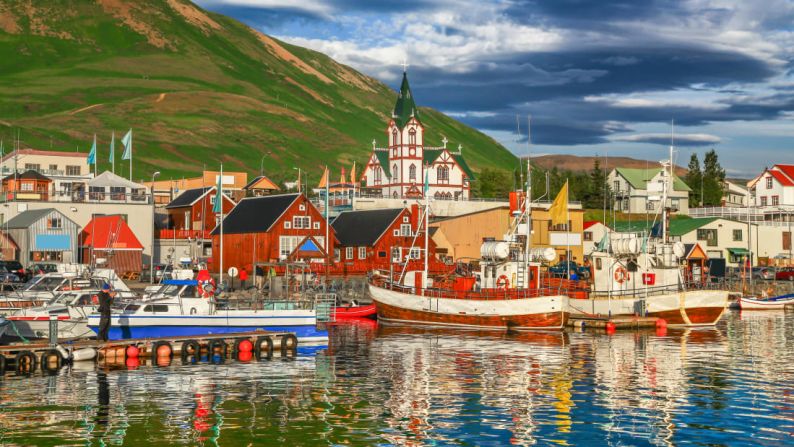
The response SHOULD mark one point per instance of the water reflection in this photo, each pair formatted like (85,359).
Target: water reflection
(400,386)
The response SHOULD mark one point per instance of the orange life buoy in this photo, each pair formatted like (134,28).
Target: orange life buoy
(503,282)
(621,275)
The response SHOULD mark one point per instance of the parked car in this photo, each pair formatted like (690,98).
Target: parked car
(41,268)
(763,273)
(785,274)
(7,276)
(561,269)
(16,268)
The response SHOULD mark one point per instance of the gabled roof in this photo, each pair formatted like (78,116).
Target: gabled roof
(431,155)
(589,224)
(383,159)
(638,178)
(363,228)
(680,227)
(781,177)
(260,182)
(636,226)
(108,178)
(27,218)
(787,169)
(256,214)
(108,232)
(404,108)
(191,196)
(29,175)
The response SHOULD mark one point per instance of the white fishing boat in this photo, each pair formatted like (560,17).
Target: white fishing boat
(756,303)
(179,309)
(71,310)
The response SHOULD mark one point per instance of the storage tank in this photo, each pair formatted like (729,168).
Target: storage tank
(495,250)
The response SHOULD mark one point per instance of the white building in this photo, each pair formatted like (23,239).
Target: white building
(734,195)
(398,171)
(639,191)
(774,187)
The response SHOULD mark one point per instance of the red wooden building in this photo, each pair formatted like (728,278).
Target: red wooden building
(108,242)
(191,215)
(376,239)
(275,228)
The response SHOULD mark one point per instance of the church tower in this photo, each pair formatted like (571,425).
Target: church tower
(406,144)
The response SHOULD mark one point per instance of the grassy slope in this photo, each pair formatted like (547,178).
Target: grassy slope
(228,97)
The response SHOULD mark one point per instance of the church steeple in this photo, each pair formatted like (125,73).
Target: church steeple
(404,108)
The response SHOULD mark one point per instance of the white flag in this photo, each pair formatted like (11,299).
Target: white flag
(127,142)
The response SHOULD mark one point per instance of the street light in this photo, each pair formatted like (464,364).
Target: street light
(262,162)
(151,257)
(299,178)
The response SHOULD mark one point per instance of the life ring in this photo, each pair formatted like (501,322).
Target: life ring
(503,282)
(289,343)
(45,360)
(268,348)
(25,358)
(621,275)
(196,348)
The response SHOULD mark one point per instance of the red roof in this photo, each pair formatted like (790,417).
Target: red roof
(788,170)
(106,232)
(590,223)
(785,181)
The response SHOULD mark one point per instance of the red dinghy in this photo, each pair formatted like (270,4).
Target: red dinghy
(351,312)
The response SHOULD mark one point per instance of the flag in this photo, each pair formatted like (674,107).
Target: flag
(219,194)
(559,209)
(323,180)
(427,181)
(112,147)
(604,243)
(92,154)
(353,174)
(127,142)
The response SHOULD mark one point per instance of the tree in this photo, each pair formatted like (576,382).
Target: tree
(692,179)
(713,179)
(493,184)
(597,186)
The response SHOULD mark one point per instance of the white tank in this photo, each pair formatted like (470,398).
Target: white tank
(634,246)
(542,254)
(495,250)
(679,250)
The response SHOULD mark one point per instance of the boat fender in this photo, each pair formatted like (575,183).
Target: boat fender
(161,349)
(2,364)
(289,343)
(621,275)
(64,352)
(353,303)
(236,346)
(221,345)
(47,357)
(268,341)
(25,362)
(503,282)
(83,355)
(190,345)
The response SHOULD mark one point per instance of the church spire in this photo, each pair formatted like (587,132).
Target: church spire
(404,108)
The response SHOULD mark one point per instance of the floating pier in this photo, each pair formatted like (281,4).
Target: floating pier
(616,322)
(26,358)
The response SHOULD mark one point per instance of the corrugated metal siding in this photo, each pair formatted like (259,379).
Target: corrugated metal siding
(122,261)
(68,228)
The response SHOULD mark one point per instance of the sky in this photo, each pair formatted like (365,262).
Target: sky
(600,77)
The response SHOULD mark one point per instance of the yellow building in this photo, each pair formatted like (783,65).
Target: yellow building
(167,190)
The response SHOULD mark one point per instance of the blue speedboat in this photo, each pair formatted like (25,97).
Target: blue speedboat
(178,310)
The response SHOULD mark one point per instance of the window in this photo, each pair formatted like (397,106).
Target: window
(710,236)
(53,168)
(405,219)
(395,254)
(381,254)
(349,253)
(287,225)
(301,222)
(412,136)
(649,205)
(625,205)
(32,167)
(362,252)
(769,183)
(394,171)
(54,223)
(737,235)
(396,232)
(316,225)
(674,204)
(302,207)
(763,201)
(72,170)
(442,174)
(412,173)
(415,253)
(156,308)
(26,186)
(378,173)
(394,137)
(787,240)
(588,235)
(118,192)
(337,254)
(405,230)
(616,185)
(598,264)
(286,245)
(775,200)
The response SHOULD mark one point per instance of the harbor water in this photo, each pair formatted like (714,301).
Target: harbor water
(379,385)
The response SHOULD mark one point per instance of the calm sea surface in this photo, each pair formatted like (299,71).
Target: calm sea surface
(733,385)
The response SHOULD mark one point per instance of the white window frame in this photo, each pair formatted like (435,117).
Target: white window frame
(302,207)
(396,254)
(362,252)
(301,222)
(286,245)
(349,253)
(415,253)
(317,225)
(405,230)
(405,219)
(396,232)
(769,183)
(287,225)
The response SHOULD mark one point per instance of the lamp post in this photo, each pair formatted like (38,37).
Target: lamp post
(151,260)
(262,163)
(299,178)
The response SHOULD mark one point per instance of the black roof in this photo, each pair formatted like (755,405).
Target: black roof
(28,175)
(363,228)
(256,214)
(188,197)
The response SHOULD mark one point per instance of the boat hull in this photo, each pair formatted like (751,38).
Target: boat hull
(689,308)
(355,312)
(548,312)
(750,303)
(145,326)
(39,327)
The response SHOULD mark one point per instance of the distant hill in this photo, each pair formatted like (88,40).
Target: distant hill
(197,88)
(577,163)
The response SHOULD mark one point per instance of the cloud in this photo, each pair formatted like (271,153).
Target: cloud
(664,139)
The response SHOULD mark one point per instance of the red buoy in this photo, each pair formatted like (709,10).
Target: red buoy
(245,356)
(163,351)
(610,327)
(661,331)
(245,346)
(661,322)
(132,352)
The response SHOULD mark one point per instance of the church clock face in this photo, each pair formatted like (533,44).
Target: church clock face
(412,152)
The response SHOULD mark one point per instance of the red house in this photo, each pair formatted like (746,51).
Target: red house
(108,242)
(276,228)
(375,239)
(190,215)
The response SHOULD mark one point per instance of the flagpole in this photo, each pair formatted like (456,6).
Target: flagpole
(95,155)
(218,196)
(427,221)
(568,228)
(327,256)
(130,154)
(113,151)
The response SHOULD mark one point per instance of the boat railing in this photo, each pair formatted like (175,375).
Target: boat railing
(324,304)
(571,288)
(665,289)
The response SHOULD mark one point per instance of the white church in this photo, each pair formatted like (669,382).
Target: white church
(398,170)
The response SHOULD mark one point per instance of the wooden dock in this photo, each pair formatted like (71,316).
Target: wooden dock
(25,358)
(614,323)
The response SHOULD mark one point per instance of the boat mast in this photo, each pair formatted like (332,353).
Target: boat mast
(667,183)
(427,227)
(528,205)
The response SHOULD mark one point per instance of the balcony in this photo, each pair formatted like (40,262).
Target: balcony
(183,234)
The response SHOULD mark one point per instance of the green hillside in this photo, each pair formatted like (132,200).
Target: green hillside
(196,87)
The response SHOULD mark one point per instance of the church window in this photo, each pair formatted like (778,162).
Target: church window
(394,137)
(377,174)
(394,172)
(443,174)
(412,136)
(412,173)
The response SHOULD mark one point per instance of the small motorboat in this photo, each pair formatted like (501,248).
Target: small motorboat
(355,312)
(775,302)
